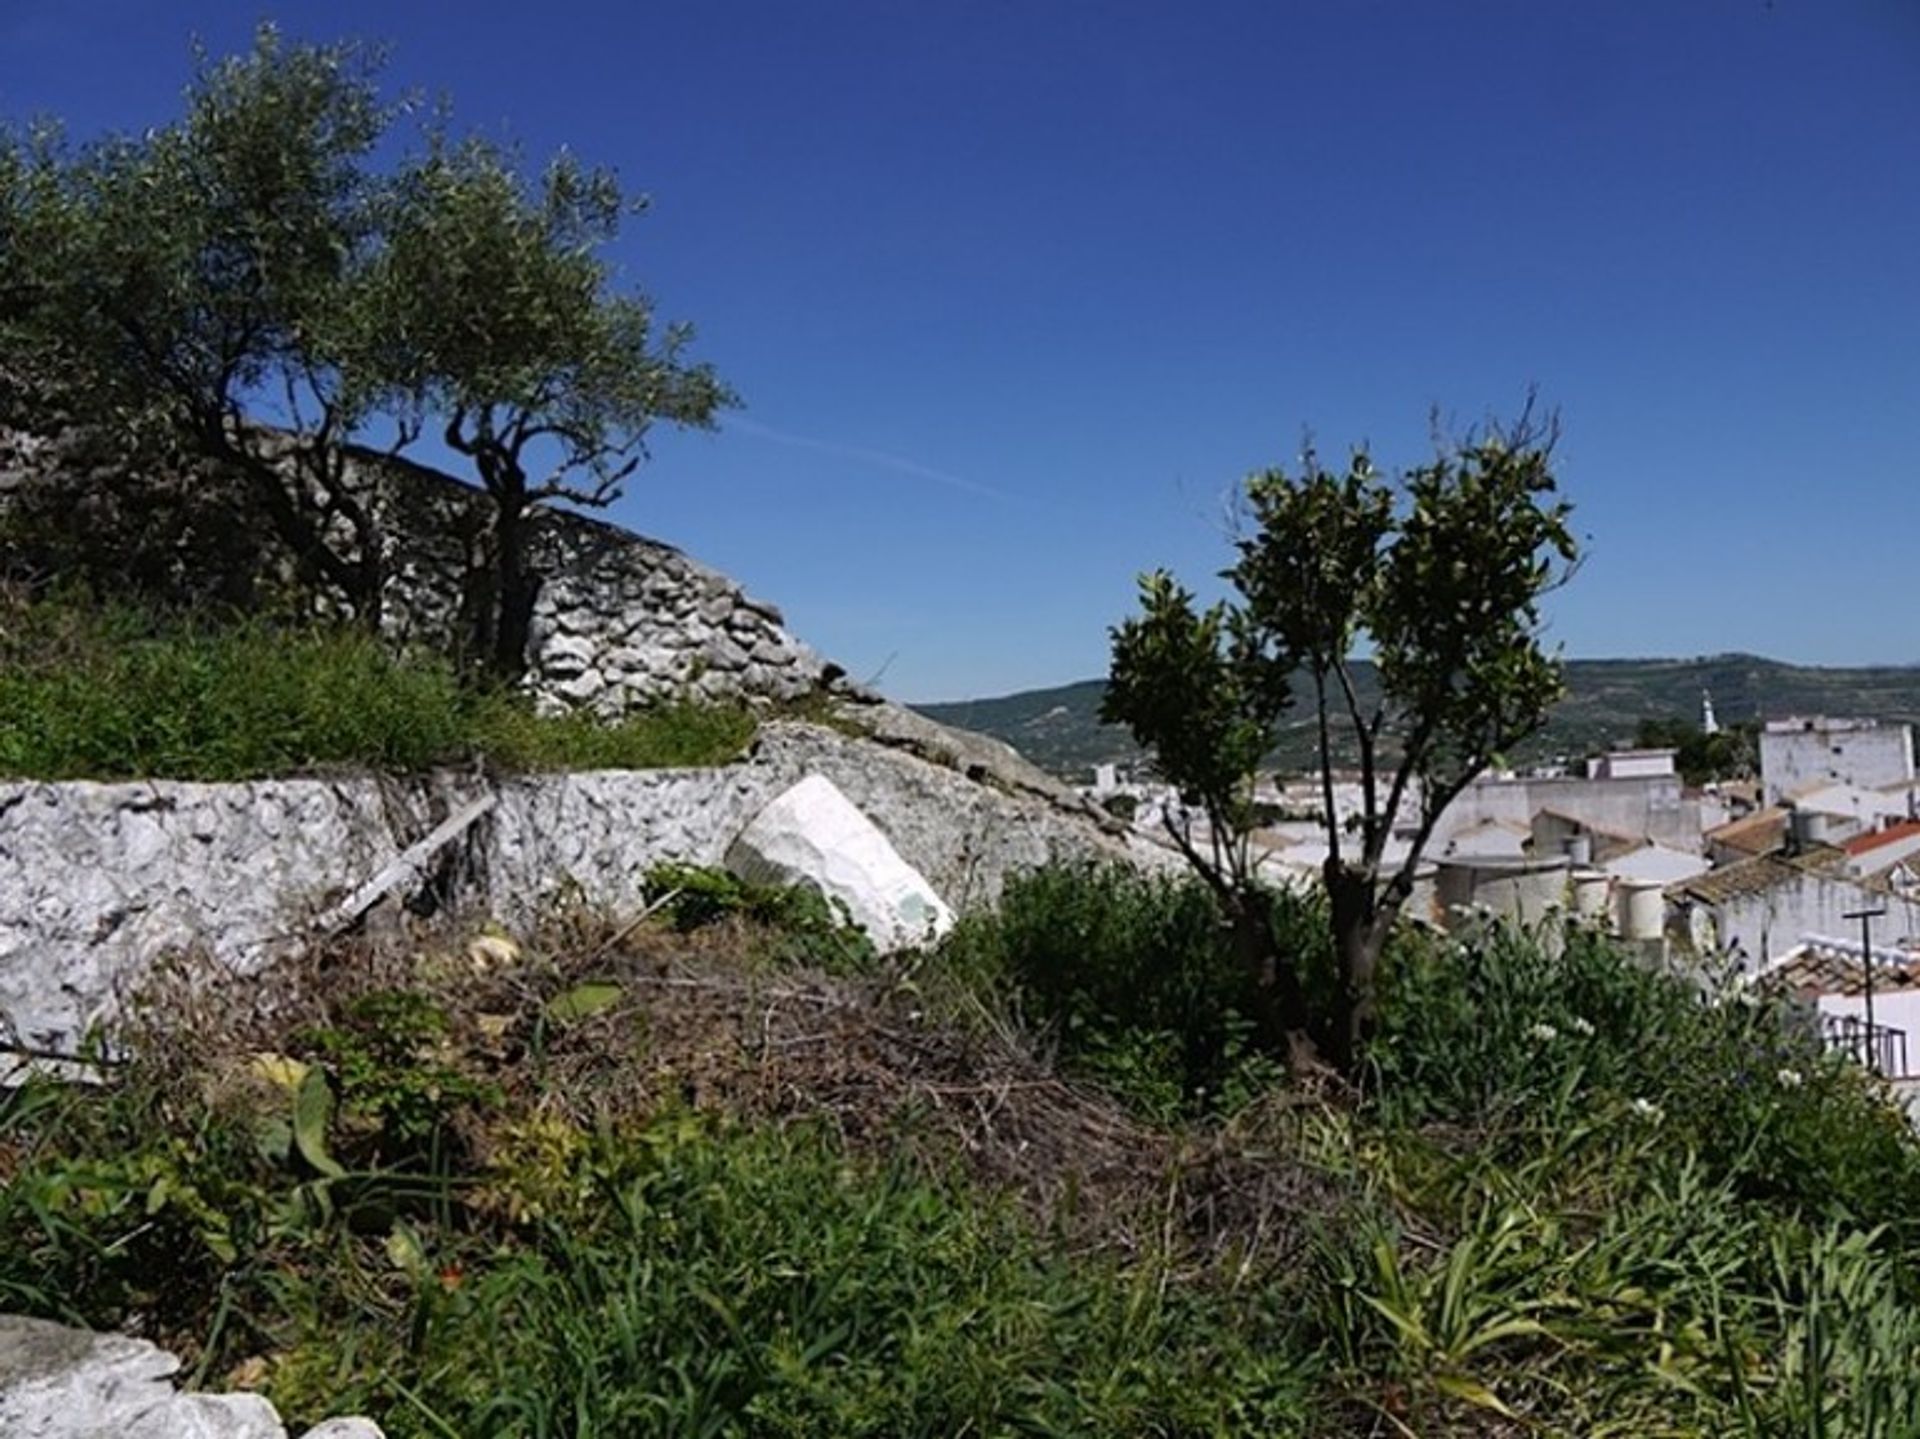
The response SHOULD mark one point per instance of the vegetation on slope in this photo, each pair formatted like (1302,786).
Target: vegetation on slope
(726,1174)
(1059,729)
(87,693)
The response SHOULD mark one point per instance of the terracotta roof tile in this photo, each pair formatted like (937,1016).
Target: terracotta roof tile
(1863,844)
(1757,833)
(1818,969)
(1761,873)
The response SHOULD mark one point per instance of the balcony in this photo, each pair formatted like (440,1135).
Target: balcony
(1877,1046)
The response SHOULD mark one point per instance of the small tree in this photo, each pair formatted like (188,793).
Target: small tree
(506,329)
(1442,577)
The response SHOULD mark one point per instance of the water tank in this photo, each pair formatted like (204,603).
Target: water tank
(1804,828)
(1643,909)
(1579,849)
(1424,903)
(1525,890)
(1590,893)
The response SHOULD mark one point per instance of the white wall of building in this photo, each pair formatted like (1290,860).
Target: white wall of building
(1631,764)
(1766,924)
(1801,752)
(1652,807)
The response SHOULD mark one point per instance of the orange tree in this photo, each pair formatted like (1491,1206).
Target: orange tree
(1440,576)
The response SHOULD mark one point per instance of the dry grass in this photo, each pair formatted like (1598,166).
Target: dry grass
(901,1064)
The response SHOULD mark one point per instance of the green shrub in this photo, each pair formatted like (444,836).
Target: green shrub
(1497,1028)
(396,1079)
(802,928)
(1136,979)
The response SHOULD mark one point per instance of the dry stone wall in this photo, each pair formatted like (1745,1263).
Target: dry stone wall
(97,881)
(618,620)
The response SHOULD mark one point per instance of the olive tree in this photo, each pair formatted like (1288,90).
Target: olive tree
(1440,576)
(507,333)
(262,279)
(197,280)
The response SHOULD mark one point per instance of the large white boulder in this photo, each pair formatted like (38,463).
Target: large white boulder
(61,1383)
(813,835)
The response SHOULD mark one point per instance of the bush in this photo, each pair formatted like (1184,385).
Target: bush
(799,926)
(1497,1028)
(1136,980)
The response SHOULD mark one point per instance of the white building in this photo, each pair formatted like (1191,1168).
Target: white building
(1803,753)
(1631,764)
(1636,807)
(1756,910)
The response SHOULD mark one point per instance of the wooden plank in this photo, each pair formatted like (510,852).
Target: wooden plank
(405,866)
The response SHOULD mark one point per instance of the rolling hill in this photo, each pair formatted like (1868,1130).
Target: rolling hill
(1059,728)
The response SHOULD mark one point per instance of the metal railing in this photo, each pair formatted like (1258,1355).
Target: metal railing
(1877,1046)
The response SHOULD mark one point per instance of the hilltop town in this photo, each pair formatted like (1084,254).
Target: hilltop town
(1769,876)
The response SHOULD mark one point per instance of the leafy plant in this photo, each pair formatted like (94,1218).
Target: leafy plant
(1137,980)
(802,927)
(1442,576)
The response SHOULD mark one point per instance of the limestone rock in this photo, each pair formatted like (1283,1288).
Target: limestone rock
(61,1383)
(813,835)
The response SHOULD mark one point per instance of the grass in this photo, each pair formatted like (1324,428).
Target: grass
(728,1175)
(675,1186)
(87,693)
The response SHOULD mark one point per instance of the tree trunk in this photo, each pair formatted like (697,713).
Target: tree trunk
(514,590)
(1361,918)
(1276,978)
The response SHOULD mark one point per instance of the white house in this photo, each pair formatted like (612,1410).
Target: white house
(1799,753)
(1656,864)
(1824,973)
(1631,764)
(1756,910)
(1891,855)
(1840,811)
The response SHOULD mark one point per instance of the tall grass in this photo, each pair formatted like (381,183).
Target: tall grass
(1132,980)
(89,693)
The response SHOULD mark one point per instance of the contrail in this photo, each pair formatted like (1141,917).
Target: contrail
(880,458)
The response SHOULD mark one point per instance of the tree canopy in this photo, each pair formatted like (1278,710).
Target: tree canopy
(1440,575)
(258,277)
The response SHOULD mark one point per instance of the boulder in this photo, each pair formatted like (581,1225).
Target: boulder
(61,1383)
(813,835)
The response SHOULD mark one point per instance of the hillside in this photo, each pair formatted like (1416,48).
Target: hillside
(1059,728)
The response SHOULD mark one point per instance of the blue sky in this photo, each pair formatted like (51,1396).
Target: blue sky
(1016,290)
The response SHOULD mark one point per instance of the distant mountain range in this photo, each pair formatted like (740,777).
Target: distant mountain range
(1059,728)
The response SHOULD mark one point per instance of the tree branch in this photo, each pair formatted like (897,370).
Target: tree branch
(1363,736)
(1326,765)
(1206,869)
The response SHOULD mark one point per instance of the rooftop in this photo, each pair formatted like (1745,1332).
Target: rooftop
(1764,872)
(1818,724)
(1818,967)
(1892,834)
(1758,833)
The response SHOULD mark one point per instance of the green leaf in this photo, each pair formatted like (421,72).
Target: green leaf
(312,1108)
(583,1001)
(1471,1391)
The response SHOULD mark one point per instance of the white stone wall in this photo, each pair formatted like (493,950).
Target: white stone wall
(619,620)
(97,881)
